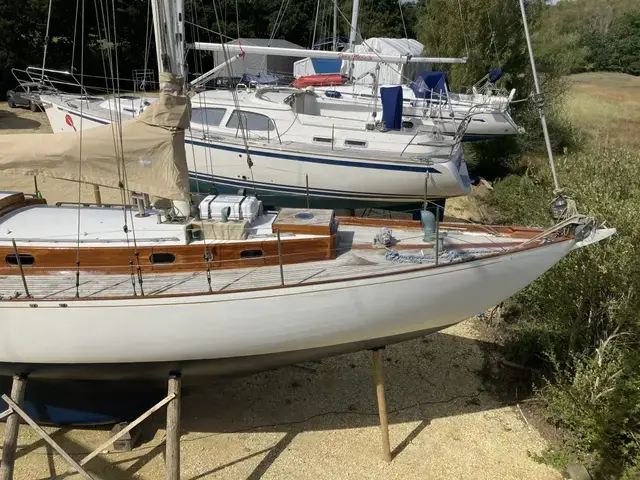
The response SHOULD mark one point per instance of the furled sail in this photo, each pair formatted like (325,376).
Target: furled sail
(148,157)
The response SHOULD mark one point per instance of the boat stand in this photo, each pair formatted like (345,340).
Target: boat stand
(382,404)
(14,413)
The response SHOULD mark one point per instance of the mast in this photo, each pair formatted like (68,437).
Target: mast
(353,32)
(335,25)
(168,23)
(543,119)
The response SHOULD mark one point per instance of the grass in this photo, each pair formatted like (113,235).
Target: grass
(605,106)
(579,323)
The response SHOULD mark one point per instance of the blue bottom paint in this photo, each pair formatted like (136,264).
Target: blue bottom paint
(86,402)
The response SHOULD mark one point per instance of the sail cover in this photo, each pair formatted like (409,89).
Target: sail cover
(149,159)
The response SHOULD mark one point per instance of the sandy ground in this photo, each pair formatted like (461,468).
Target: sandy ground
(319,420)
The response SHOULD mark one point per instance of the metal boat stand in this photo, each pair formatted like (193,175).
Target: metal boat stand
(382,403)
(14,413)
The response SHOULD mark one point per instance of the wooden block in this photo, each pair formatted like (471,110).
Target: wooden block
(304,221)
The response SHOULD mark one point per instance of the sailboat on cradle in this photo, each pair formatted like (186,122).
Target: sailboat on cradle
(224,286)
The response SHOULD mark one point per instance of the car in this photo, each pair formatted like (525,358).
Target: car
(27,95)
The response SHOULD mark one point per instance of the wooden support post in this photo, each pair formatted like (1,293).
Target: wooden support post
(382,406)
(96,194)
(11,429)
(172,456)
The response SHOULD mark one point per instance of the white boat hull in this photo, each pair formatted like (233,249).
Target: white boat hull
(84,335)
(336,179)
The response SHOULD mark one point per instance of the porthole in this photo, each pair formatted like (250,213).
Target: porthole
(251,253)
(162,258)
(355,143)
(25,259)
(304,215)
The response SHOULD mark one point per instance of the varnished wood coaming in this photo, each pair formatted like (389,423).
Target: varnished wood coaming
(50,260)
(466,263)
(15,202)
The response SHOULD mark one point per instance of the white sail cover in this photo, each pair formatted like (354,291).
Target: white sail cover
(150,159)
(389,74)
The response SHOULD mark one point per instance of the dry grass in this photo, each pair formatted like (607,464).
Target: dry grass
(606,106)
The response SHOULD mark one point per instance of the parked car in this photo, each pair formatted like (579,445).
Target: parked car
(27,95)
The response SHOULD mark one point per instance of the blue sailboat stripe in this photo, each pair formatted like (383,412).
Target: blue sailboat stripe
(300,158)
(299,190)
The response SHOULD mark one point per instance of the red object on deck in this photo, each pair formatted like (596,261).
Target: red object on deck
(318,80)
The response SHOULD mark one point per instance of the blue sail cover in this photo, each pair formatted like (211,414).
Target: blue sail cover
(428,82)
(392,107)
(495,75)
(326,65)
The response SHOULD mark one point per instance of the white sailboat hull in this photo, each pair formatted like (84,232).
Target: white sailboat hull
(84,334)
(335,178)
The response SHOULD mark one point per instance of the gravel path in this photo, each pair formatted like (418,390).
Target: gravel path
(319,421)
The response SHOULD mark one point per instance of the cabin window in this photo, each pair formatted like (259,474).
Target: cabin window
(254,122)
(355,143)
(322,139)
(162,258)
(210,117)
(25,259)
(251,253)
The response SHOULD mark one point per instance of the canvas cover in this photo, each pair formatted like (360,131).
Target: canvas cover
(256,63)
(389,74)
(152,152)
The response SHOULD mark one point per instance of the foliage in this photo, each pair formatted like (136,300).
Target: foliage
(490,33)
(590,35)
(617,50)
(559,324)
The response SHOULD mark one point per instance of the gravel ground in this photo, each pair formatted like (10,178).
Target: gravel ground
(318,420)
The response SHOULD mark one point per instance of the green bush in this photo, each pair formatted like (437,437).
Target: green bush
(560,323)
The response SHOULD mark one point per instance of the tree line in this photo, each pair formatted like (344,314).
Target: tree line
(571,36)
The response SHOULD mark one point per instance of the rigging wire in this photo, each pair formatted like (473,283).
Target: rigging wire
(147,45)
(237,21)
(124,168)
(404,26)
(279,18)
(75,25)
(464,29)
(207,151)
(46,40)
(315,25)
(236,102)
(80,158)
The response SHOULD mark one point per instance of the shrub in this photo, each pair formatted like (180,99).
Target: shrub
(559,323)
